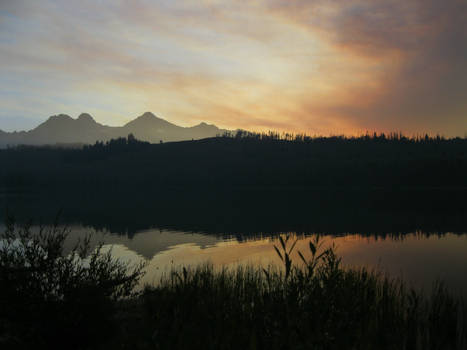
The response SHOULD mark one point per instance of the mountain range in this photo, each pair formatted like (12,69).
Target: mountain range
(62,129)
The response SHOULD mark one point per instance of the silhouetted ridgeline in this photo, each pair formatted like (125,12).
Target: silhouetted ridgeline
(244,160)
(64,130)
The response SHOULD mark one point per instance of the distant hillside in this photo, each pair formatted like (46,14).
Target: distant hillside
(62,129)
(247,183)
(253,161)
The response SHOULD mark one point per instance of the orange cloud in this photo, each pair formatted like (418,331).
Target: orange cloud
(321,67)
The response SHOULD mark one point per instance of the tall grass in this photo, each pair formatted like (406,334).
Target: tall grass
(49,300)
(317,305)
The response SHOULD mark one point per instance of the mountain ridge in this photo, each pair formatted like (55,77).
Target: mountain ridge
(63,129)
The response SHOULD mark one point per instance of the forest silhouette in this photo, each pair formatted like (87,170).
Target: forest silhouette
(243,160)
(246,183)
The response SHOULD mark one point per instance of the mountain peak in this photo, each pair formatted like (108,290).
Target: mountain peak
(85,117)
(148,115)
(204,125)
(62,128)
(149,120)
(60,117)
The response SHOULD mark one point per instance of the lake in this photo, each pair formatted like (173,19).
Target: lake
(388,240)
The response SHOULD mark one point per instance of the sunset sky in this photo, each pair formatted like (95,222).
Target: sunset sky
(314,66)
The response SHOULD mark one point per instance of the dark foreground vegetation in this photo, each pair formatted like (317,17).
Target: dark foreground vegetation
(85,300)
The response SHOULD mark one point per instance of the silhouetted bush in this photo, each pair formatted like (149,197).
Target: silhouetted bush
(50,298)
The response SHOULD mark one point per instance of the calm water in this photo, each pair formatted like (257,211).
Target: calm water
(417,258)
(193,231)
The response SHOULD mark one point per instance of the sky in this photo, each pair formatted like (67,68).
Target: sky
(304,66)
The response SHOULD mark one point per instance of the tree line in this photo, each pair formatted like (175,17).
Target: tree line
(243,160)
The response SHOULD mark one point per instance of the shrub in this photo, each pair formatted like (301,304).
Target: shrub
(50,298)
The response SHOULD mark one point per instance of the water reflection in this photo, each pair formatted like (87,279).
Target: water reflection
(417,258)
(169,229)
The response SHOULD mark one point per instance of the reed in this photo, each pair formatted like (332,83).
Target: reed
(51,300)
(316,305)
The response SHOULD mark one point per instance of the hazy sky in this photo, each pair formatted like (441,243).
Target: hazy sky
(311,66)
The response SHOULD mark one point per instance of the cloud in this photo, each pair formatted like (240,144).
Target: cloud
(420,47)
(315,66)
